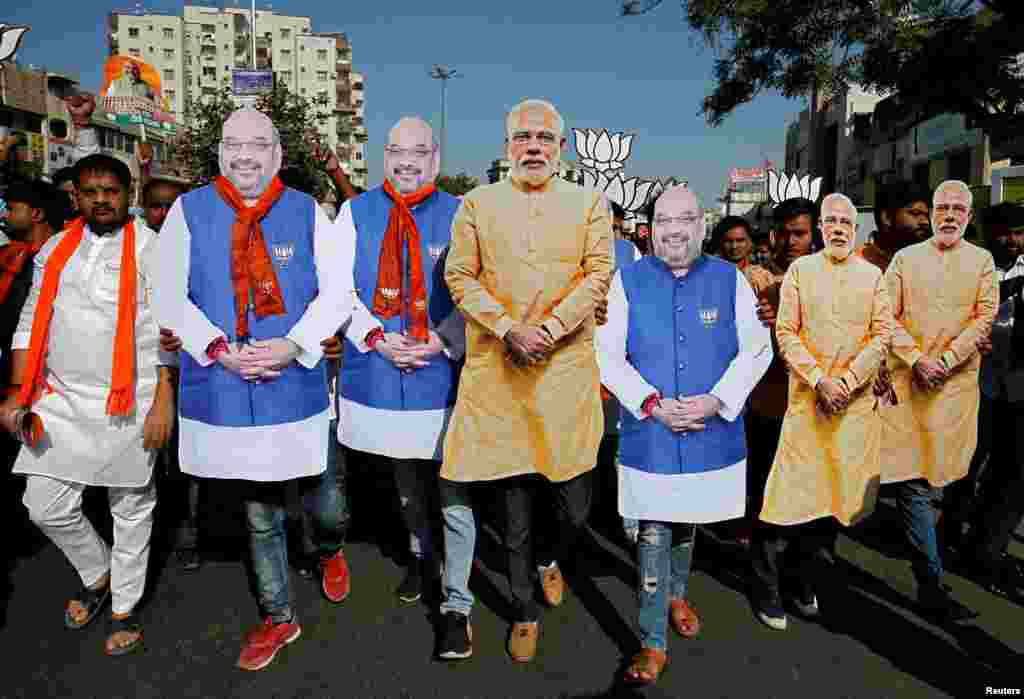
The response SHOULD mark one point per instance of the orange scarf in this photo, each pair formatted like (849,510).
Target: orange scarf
(12,260)
(251,268)
(390,298)
(121,399)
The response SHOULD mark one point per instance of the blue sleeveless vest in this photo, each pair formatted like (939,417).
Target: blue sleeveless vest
(212,394)
(682,338)
(625,251)
(369,379)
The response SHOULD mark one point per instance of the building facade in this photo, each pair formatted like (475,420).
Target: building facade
(197,52)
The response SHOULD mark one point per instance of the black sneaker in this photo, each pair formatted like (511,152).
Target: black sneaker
(411,588)
(455,640)
(936,602)
(189,559)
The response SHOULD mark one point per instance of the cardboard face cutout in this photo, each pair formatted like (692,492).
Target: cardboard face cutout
(10,40)
(250,152)
(534,143)
(411,158)
(952,210)
(678,232)
(838,225)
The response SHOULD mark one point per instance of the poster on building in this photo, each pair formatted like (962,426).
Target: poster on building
(747,174)
(125,76)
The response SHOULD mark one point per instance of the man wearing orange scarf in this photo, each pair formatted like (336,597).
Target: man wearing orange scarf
(88,366)
(253,277)
(399,377)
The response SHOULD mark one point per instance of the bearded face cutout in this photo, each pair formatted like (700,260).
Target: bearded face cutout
(250,152)
(952,210)
(838,225)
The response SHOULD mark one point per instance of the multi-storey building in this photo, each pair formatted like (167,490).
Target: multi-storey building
(197,52)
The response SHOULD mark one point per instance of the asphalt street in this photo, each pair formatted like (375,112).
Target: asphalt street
(873,644)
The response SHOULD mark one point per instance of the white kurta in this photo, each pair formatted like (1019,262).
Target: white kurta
(372,430)
(259,453)
(83,444)
(698,498)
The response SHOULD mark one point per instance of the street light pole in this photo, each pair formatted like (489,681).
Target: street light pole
(443,74)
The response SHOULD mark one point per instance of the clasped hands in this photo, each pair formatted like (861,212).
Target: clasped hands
(528,344)
(686,413)
(260,360)
(833,395)
(407,354)
(929,373)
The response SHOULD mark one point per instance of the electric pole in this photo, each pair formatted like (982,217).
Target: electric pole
(444,74)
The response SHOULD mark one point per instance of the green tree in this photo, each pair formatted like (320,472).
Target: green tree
(457,185)
(929,50)
(195,151)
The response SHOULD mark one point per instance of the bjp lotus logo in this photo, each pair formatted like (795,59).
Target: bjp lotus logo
(10,40)
(632,194)
(782,187)
(601,151)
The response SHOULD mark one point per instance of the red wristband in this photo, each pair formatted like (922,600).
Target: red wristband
(373,337)
(652,402)
(217,348)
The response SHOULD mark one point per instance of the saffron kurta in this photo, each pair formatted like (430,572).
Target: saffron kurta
(834,320)
(513,255)
(83,444)
(943,301)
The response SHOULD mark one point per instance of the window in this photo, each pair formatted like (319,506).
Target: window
(321,75)
(171,101)
(209,29)
(286,54)
(134,52)
(150,49)
(303,90)
(169,54)
(286,76)
(286,33)
(168,33)
(209,72)
(168,74)
(302,69)
(149,28)
(133,32)
(129,144)
(321,54)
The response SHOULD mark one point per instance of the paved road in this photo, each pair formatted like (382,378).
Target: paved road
(874,646)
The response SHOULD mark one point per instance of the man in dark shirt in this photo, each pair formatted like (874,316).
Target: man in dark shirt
(32,215)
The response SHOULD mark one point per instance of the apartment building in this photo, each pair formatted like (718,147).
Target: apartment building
(197,52)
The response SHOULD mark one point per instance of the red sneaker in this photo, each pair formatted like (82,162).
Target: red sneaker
(263,643)
(336,580)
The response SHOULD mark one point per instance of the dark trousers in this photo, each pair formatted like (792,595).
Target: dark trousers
(805,550)
(526,545)
(762,442)
(999,501)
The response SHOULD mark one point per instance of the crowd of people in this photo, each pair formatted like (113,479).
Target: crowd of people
(771,389)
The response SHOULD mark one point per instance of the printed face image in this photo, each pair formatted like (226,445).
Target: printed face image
(951,212)
(678,228)
(250,154)
(838,225)
(411,160)
(534,144)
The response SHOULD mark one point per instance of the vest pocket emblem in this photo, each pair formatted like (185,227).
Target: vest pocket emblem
(709,316)
(389,294)
(284,253)
(435,251)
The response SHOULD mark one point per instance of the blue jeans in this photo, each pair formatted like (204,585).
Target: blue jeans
(914,501)
(416,483)
(265,517)
(459,543)
(664,572)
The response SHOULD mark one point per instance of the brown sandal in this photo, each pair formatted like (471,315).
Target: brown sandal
(647,666)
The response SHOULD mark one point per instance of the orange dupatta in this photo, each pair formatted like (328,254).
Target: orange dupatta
(389,298)
(251,268)
(121,399)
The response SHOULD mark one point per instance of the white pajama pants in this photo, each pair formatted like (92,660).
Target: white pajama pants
(55,506)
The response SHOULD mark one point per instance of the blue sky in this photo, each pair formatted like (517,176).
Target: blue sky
(645,75)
